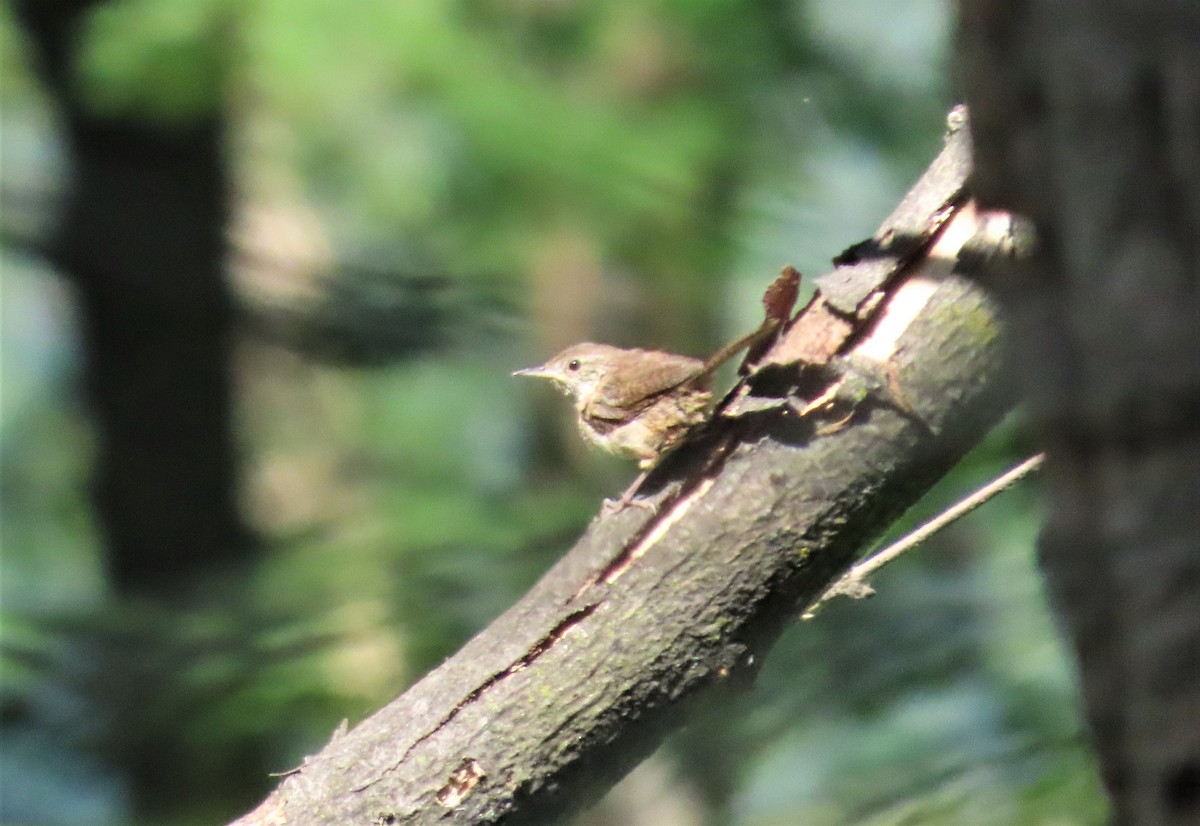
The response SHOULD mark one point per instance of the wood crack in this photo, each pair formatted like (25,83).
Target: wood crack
(524,661)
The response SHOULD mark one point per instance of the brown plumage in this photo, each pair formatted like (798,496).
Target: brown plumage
(636,402)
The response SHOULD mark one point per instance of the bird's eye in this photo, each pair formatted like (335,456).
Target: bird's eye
(573,364)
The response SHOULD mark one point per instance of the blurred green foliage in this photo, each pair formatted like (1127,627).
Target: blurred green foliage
(635,172)
(156,59)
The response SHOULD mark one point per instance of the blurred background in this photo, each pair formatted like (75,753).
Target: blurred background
(265,268)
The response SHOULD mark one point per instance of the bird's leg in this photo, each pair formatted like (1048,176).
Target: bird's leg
(626,499)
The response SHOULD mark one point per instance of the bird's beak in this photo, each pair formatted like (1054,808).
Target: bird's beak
(537,372)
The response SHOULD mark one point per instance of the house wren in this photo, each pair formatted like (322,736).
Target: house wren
(644,403)
(640,403)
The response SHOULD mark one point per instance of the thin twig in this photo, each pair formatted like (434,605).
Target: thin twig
(853,583)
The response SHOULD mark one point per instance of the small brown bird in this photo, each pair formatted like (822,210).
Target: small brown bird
(644,403)
(640,403)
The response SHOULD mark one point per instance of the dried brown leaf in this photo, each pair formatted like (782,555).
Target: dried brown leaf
(780,297)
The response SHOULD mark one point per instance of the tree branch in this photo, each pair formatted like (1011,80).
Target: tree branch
(883,381)
(854,582)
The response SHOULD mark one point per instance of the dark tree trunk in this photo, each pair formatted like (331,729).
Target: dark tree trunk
(1087,120)
(143,242)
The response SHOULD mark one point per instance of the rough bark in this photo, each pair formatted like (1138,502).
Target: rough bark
(544,709)
(1087,120)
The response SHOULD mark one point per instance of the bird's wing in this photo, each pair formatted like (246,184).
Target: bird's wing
(618,401)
